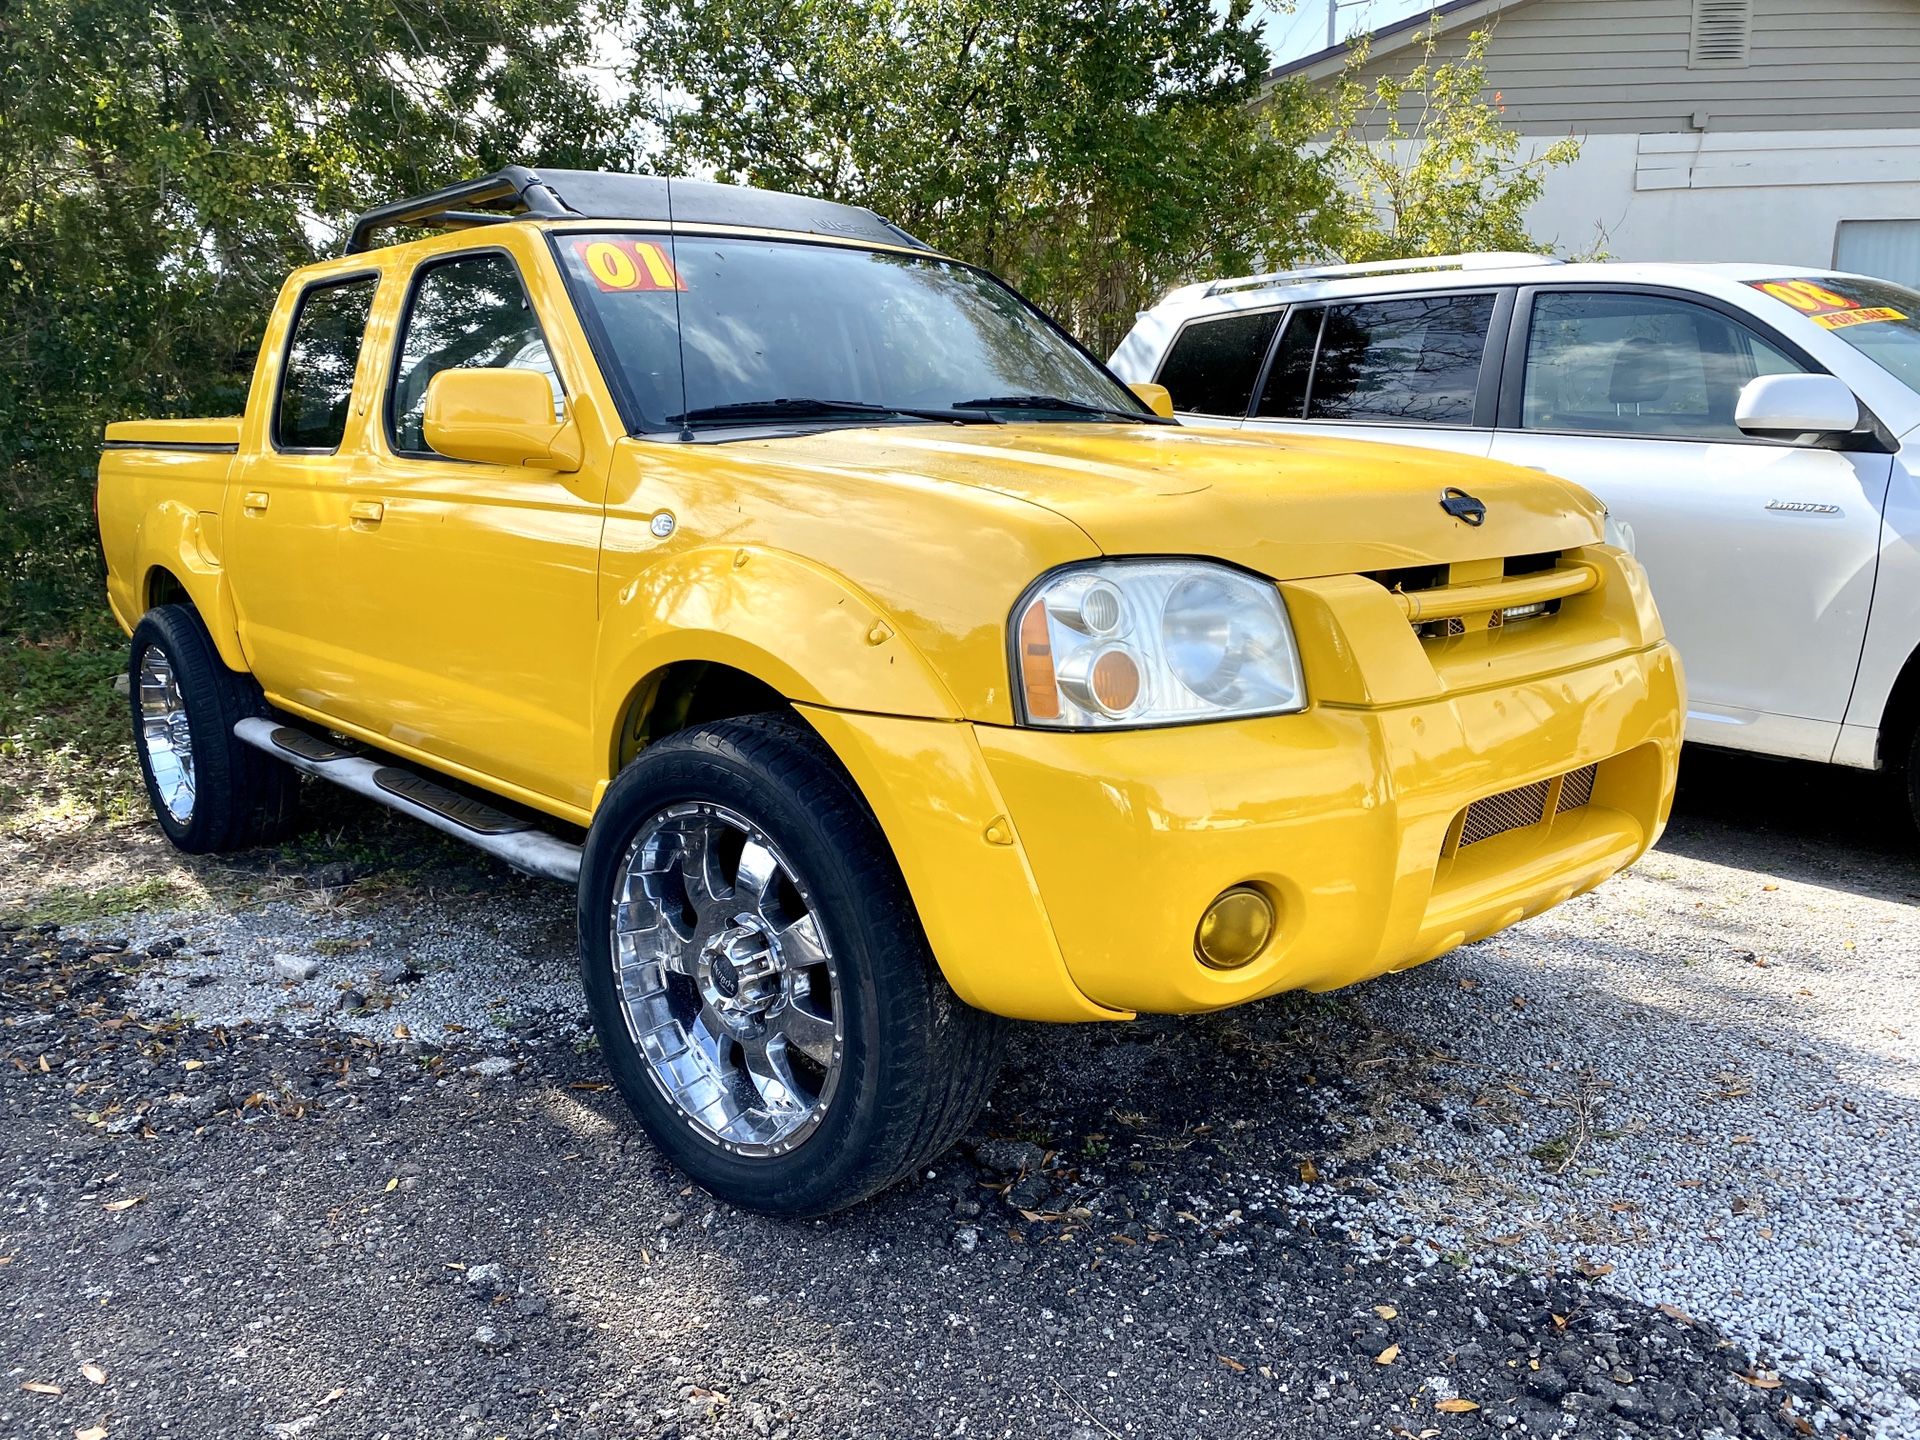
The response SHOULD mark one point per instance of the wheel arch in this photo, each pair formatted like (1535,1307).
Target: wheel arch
(180,567)
(1901,717)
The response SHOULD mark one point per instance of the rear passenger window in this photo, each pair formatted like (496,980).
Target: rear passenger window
(1211,368)
(1414,361)
(471,312)
(1284,396)
(1627,364)
(316,384)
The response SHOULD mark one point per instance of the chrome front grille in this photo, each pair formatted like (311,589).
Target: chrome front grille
(1522,808)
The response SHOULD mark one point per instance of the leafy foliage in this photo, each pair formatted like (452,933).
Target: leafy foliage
(1450,178)
(1094,151)
(163,164)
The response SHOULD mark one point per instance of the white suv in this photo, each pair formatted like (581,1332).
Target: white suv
(1754,430)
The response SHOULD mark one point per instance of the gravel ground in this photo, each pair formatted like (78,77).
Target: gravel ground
(343,1164)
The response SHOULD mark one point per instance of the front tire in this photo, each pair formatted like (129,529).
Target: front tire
(758,979)
(210,791)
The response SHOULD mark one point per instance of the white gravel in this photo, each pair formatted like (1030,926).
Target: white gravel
(1701,1076)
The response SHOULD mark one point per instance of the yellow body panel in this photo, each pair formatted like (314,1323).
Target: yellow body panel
(503,622)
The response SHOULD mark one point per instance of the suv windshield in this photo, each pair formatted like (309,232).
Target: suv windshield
(790,333)
(1876,317)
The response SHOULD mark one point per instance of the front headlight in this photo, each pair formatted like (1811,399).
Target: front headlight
(1152,642)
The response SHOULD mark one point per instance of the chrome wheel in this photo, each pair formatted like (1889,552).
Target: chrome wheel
(726,980)
(164,735)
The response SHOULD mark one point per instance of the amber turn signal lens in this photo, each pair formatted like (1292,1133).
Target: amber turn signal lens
(1235,928)
(1115,681)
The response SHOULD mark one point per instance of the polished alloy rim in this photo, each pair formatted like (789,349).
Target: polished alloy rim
(164,735)
(729,987)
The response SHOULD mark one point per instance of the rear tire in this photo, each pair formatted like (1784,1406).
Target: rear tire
(209,791)
(1910,777)
(767,1002)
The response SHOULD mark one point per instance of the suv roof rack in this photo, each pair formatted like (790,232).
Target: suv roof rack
(1473,260)
(517,192)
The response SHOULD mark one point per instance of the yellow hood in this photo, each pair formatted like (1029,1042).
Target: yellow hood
(1284,506)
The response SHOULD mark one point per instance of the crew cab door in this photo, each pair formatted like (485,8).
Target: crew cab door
(1761,554)
(279,520)
(466,592)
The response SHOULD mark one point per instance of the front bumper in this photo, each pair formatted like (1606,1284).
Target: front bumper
(1347,817)
(1061,876)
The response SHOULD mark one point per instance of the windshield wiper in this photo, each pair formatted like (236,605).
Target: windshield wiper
(1051,402)
(801,407)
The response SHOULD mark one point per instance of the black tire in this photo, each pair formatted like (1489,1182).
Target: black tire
(239,796)
(915,1062)
(1910,777)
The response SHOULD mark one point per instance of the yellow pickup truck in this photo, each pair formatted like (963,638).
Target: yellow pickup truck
(876,664)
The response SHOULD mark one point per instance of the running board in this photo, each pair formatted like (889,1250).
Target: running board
(512,839)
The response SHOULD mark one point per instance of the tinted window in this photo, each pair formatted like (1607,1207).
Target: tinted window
(1415,360)
(1284,396)
(1639,365)
(317,383)
(764,321)
(467,314)
(1213,363)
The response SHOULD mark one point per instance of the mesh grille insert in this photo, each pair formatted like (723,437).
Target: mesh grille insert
(1525,807)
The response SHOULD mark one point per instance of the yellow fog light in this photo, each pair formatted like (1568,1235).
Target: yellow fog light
(1235,928)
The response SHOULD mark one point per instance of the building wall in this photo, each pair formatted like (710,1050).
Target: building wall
(1599,67)
(1753,195)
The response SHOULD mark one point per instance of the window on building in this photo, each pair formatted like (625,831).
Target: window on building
(1632,364)
(1213,363)
(316,384)
(469,313)
(1884,249)
(1409,361)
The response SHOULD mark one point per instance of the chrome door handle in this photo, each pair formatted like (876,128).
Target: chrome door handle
(366,512)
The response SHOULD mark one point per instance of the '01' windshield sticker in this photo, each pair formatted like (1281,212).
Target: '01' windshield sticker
(1828,309)
(617,265)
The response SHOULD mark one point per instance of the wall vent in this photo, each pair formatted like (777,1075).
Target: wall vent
(1722,34)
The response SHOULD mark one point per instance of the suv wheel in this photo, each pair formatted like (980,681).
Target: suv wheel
(759,981)
(210,791)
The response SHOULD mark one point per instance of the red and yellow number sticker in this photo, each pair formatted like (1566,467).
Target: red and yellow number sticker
(628,265)
(1826,308)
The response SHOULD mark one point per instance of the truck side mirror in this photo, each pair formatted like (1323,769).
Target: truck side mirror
(1159,399)
(499,417)
(1782,407)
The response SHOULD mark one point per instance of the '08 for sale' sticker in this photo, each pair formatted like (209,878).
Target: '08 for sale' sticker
(1828,309)
(628,265)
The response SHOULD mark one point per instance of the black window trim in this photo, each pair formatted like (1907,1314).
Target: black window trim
(1486,396)
(414,282)
(1214,317)
(1871,437)
(633,422)
(307,292)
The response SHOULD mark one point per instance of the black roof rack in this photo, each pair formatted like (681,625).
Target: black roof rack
(516,192)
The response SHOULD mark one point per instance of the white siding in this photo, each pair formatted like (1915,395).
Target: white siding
(1620,67)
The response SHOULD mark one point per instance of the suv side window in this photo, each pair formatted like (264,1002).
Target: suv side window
(470,312)
(316,383)
(1211,366)
(1413,361)
(1627,364)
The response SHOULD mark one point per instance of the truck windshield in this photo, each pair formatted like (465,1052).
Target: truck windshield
(788,333)
(1876,317)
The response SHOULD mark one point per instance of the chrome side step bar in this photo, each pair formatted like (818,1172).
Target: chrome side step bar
(495,831)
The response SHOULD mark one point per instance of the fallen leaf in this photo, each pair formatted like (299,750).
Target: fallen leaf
(1309,1172)
(1230,1362)
(590,1085)
(1387,1356)
(1759,1382)
(45,1069)
(1588,1268)
(96,1373)
(92,1432)
(332,1395)
(192,1064)
(393,1185)
(118,1205)
(41,1387)
(1386,1312)
(1456,1406)
(1674,1312)
(1743,1139)
(401,1032)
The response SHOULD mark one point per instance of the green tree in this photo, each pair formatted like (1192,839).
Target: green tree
(1425,163)
(1095,151)
(163,164)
